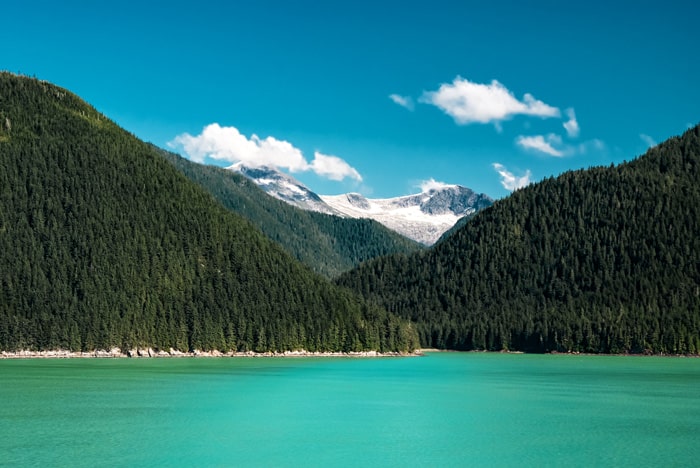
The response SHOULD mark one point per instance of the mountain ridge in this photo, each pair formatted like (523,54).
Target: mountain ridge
(423,217)
(283,187)
(602,260)
(104,244)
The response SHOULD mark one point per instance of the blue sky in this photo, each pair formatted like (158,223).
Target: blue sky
(377,97)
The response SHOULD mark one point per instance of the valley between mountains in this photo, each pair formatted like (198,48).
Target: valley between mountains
(108,242)
(423,217)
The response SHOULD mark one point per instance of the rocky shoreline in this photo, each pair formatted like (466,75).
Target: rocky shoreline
(173,353)
(153,353)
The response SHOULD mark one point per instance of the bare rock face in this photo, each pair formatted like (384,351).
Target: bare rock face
(111,353)
(358,201)
(283,187)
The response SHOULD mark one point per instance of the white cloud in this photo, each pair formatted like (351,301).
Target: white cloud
(594,144)
(509,180)
(403,101)
(229,145)
(432,184)
(571,125)
(649,141)
(552,145)
(541,143)
(467,102)
(333,167)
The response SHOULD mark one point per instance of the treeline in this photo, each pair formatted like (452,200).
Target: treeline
(330,245)
(604,260)
(104,243)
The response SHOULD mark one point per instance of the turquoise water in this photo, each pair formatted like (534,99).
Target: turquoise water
(445,409)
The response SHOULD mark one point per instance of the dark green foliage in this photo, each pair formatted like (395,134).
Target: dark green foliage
(458,226)
(104,243)
(604,260)
(328,244)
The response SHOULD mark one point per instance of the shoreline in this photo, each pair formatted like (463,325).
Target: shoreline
(146,353)
(422,351)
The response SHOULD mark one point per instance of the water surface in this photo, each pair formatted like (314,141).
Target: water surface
(445,409)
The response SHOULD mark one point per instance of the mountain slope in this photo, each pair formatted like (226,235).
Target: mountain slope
(328,244)
(103,243)
(599,260)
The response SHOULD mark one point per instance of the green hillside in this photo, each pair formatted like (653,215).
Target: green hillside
(604,260)
(104,243)
(328,244)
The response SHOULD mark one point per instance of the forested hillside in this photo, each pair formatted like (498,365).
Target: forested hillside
(328,244)
(104,243)
(604,260)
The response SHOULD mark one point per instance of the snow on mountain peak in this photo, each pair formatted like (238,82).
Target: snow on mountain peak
(359,201)
(423,217)
(283,187)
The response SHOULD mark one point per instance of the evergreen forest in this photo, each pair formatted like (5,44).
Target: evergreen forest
(104,243)
(329,245)
(602,260)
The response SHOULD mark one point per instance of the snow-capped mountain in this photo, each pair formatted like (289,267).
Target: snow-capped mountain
(284,187)
(423,217)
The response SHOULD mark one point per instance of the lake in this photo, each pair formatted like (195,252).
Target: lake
(443,409)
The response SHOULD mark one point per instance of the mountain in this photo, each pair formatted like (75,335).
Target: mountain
(103,243)
(329,245)
(283,187)
(603,260)
(422,217)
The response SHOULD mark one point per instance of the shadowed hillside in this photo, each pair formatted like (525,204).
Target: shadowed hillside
(104,243)
(328,244)
(604,260)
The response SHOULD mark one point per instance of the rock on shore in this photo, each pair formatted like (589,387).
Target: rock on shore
(150,352)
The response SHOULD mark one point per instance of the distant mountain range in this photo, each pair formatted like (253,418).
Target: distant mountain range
(423,217)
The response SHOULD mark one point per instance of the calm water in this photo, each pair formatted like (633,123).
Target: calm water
(446,409)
